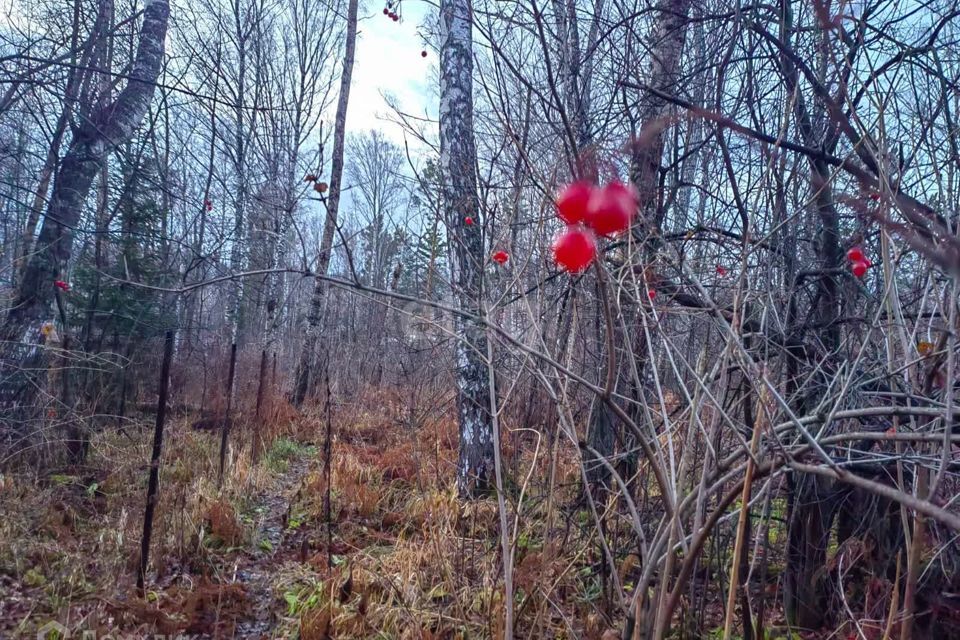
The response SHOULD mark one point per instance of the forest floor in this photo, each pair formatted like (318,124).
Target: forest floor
(398,557)
(393,554)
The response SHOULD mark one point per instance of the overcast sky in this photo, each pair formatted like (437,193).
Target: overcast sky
(388,61)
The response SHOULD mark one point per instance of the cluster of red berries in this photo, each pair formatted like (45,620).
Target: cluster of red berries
(390,13)
(208,205)
(858,262)
(319,187)
(587,210)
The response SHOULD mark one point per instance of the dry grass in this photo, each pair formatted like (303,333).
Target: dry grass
(410,560)
(70,538)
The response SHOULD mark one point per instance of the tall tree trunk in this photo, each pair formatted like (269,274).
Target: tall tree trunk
(93,139)
(664,44)
(196,268)
(661,69)
(812,501)
(458,163)
(302,382)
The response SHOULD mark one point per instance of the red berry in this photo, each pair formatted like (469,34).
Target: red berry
(721,270)
(855,254)
(386,11)
(396,18)
(423,54)
(60,284)
(574,249)
(500,257)
(651,293)
(859,268)
(611,209)
(468,221)
(572,202)
(874,196)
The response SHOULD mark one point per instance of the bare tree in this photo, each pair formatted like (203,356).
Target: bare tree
(94,137)
(306,363)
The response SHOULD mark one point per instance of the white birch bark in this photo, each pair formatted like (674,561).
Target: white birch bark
(458,162)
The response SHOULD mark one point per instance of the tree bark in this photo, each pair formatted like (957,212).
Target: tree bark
(458,163)
(307,363)
(663,47)
(812,501)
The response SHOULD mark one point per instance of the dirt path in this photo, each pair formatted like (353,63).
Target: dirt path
(272,542)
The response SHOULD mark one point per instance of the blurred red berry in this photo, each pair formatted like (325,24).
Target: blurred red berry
(572,202)
(60,284)
(651,293)
(574,249)
(721,270)
(855,254)
(859,268)
(468,221)
(611,209)
(423,54)
(501,257)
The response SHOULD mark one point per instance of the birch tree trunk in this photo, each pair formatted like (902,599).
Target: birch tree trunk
(302,382)
(92,140)
(75,78)
(458,163)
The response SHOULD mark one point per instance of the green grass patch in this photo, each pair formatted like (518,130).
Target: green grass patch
(283,451)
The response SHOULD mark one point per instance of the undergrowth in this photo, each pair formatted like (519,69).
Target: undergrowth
(396,555)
